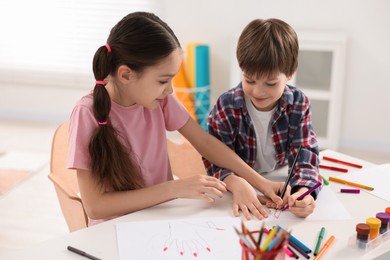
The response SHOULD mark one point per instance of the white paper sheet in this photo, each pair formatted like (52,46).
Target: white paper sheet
(203,238)
(377,177)
(328,207)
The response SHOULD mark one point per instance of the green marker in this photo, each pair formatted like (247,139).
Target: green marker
(319,240)
(326,182)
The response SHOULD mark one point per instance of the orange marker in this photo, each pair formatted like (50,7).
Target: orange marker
(324,248)
(350,183)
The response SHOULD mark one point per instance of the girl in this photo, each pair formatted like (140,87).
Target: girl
(117,135)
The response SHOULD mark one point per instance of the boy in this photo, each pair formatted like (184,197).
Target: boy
(264,120)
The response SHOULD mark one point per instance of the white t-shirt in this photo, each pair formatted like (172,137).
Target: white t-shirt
(265,153)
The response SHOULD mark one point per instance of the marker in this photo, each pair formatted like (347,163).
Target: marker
(319,241)
(247,232)
(324,248)
(325,180)
(290,174)
(288,249)
(246,242)
(269,238)
(332,168)
(82,253)
(260,235)
(298,243)
(350,191)
(318,184)
(290,252)
(276,241)
(342,162)
(300,250)
(350,183)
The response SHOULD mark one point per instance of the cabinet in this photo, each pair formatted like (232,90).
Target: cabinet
(320,75)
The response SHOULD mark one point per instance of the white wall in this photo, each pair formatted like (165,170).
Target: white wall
(365,120)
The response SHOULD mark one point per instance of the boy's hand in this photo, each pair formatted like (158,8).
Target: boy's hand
(301,208)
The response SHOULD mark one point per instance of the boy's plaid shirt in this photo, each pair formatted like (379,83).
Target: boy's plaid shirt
(229,121)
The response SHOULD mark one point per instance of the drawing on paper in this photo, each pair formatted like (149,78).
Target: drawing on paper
(188,238)
(180,239)
(274,212)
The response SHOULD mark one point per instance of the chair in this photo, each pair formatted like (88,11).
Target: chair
(65,181)
(184,159)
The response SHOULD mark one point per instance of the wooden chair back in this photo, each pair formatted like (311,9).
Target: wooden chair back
(185,160)
(65,181)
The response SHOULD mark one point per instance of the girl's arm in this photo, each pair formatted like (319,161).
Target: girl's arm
(219,154)
(100,204)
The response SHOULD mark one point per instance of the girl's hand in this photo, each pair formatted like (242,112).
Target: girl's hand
(271,191)
(301,208)
(245,198)
(201,187)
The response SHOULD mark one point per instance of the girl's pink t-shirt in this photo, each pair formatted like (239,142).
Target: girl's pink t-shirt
(145,130)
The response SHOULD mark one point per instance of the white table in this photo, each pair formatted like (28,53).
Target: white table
(101,241)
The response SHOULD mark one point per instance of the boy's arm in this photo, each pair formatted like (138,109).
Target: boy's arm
(307,173)
(224,131)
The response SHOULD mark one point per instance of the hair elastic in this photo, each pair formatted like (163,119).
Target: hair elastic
(108,48)
(100,82)
(102,123)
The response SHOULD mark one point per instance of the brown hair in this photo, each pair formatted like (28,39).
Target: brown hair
(138,41)
(267,47)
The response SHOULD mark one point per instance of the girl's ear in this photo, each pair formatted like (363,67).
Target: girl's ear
(124,74)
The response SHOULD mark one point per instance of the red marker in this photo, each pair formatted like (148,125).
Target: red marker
(333,168)
(343,162)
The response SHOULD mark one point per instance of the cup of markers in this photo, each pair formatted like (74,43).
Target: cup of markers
(260,246)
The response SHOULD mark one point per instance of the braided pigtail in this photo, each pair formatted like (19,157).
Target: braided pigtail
(138,41)
(112,164)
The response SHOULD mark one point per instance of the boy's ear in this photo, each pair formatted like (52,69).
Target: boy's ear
(291,76)
(124,73)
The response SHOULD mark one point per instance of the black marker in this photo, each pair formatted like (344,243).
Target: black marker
(291,173)
(79,252)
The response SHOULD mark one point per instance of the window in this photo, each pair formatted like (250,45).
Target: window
(52,42)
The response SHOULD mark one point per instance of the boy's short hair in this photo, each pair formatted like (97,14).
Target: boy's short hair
(268,47)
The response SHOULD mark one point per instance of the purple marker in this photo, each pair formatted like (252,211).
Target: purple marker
(350,190)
